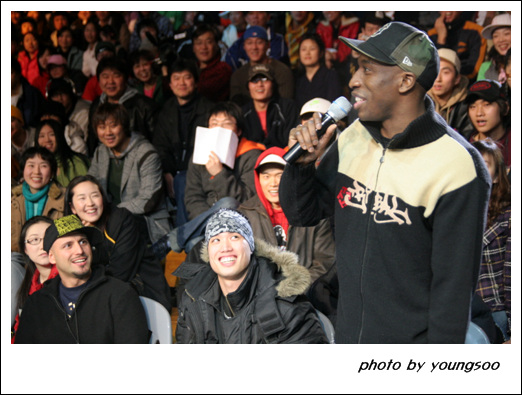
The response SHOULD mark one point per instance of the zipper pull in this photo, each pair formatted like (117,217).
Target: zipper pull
(383,153)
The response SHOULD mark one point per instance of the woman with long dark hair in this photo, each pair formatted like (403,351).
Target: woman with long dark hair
(51,135)
(494,284)
(38,269)
(28,57)
(128,258)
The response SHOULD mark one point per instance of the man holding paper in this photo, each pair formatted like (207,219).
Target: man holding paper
(210,181)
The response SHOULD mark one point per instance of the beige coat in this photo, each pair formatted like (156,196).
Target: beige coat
(53,209)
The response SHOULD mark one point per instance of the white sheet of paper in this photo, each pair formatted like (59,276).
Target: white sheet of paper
(220,140)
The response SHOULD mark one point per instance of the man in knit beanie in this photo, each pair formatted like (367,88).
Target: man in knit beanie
(250,292)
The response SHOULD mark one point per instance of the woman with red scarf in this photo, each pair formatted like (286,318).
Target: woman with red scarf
(38,269)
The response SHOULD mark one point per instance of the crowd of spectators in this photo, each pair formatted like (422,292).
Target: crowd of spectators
(109,103)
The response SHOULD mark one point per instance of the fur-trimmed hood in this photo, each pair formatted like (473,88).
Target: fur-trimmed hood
(296,278)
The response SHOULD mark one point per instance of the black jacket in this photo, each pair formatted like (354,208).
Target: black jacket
(174,151)
(282,115)
(107,311)
(129,259)
(268,307)
(31,103)
(142,113)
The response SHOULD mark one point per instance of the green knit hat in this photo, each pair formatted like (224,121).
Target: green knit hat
(66,225)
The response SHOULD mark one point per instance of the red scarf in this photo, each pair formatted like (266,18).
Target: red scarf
(277,216)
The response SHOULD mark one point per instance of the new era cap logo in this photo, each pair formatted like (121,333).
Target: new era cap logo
(407,61)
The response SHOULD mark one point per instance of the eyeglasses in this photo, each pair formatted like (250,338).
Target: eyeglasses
(34,241)
(256,79)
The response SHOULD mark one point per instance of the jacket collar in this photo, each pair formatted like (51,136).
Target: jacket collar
(51,287)
(427,128)
(295,278)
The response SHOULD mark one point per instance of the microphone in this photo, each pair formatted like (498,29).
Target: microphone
(337,110)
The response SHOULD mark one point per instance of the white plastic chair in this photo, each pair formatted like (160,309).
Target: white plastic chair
(158,321)
(327,326)
(475,335)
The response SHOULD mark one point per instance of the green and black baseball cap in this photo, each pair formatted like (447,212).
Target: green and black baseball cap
(402,45)
(66,225)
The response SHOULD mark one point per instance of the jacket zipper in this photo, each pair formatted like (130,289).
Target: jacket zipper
(381,161)
(60,307)
(198,326)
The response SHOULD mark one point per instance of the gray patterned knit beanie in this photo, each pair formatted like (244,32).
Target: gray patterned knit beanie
(231,221)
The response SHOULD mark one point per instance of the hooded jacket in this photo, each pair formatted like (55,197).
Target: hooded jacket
(268,306)
(455,111)
(409,219)
(141,187)
(107,311)
(203,190)
(313,245)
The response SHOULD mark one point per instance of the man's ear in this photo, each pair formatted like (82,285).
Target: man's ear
(52,259)
(408,81)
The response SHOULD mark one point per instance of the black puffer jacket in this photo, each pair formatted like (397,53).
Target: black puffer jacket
(268,307)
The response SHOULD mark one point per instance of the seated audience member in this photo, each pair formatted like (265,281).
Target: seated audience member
(249,293)
(175,130)
(506,87)
(488,110)
(494,283)
(237,55)
(494,68)
(268,117)
(82,304)
(449,93)
(44,54)
(256,46)
(296,25)
(112,75)
(147,79)
(236,29)
(92,88)
(28,57)
(314,245)
(24,96)
(206,184)
(453,31)
(50,134)
(59,20)
(128,259)
(38,269)
(28,25)
(335,24)
(21,137)
(162,23)
(313,78)
(214,75)
(129,169)
(61,90)
(91,35)
(57,68)
(39,194)
(68,49)
(116,23)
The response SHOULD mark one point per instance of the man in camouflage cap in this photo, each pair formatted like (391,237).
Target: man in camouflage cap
(408,194)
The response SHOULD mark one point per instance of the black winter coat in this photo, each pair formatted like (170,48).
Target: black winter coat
(175,151)
(129,259)
(282,115)
(107,311)
(268,307)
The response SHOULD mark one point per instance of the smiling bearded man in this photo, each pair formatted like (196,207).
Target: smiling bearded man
(82,305)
